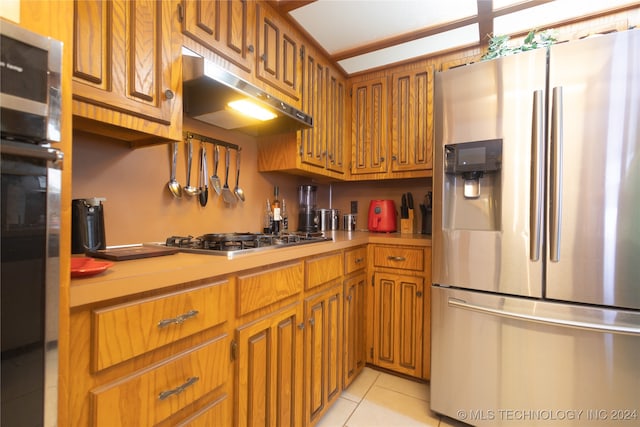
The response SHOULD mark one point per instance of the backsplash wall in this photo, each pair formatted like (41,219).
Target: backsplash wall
(140,208)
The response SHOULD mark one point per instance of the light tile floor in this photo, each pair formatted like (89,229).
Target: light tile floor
(380,399)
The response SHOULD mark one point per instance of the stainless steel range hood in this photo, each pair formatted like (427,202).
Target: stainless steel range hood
(208,88)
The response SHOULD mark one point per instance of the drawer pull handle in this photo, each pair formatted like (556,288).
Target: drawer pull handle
(359,260)
(165,394)
(177,320)
(396,258)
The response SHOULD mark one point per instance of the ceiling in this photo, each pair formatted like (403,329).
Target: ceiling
(361,35)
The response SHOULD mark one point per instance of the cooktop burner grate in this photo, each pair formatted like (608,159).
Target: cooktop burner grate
(237,243)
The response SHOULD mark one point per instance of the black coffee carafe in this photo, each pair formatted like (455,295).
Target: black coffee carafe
(87,225)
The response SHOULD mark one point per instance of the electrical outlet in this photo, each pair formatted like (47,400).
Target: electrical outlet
(354,206)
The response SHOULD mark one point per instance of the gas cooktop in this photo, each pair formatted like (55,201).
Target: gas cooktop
(232,244)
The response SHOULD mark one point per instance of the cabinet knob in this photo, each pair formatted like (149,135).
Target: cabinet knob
(263,57)
(381,159)
(312,321)
(169,94)
(394,158)
(419,294)
(250,48)
(301,325)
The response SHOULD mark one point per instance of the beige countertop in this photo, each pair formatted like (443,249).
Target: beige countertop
(142,275)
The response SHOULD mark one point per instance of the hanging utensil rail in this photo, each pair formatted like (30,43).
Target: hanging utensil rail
(203,138)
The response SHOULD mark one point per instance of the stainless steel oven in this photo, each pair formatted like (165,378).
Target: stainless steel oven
(31,170)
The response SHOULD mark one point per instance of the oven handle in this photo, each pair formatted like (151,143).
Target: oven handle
(23,149)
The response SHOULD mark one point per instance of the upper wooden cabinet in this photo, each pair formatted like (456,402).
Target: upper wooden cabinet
(412,119)
(278,55)
(369,126)
(322,150)
(225,27)
(127,70)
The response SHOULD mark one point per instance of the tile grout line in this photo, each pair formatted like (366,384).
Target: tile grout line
(364,396)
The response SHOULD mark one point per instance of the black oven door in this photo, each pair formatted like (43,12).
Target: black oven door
(29,230)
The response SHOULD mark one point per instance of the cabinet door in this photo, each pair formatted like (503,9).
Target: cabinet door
(322,352)
(412,120)
(398,322)
(226,27)
(313,150)
(335,130)
(124,62)
(369,134)
(354,330)
(269,370)
(278,53)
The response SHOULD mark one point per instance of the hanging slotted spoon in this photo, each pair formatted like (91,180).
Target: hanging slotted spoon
(227,195)
(215,181)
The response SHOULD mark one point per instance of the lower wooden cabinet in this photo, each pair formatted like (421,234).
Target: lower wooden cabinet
(397,323)
(153,394)
(322,351)
(354,331)
(398,300)
(158,360)
(269,370)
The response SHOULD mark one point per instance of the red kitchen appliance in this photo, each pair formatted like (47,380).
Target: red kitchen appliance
(382,216)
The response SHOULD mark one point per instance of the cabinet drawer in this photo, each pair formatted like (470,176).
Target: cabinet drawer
(131,329)
(405,258)
(262,288)
(323,269)
(216,413)
(153,394)
(355,259)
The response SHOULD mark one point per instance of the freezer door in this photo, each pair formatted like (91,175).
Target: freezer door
(594,163)
(491,242)
(510,361)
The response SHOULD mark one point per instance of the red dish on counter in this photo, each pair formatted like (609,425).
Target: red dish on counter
(81,267)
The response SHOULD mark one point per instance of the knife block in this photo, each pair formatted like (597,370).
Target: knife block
(407,224)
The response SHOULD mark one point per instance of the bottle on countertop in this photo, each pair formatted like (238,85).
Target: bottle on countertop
(277,212)
(268,218)
(285,218)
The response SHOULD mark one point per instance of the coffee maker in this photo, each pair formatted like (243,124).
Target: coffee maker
(87,225)
(307,213)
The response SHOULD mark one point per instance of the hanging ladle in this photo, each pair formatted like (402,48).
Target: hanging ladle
(239,191)
(174,185)
(191,191)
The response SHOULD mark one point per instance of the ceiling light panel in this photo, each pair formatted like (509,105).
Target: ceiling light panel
(538,17)
(389,18)
(442,41)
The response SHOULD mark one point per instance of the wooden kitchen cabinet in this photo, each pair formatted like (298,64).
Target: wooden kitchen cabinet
(398,337)
(127,70)
(323,149)
(412,119)
(226,27)
(322,351)
(278,52)
(354,331)
(140,361)
(268,344)
(369,127)
(354,328)
(269,370)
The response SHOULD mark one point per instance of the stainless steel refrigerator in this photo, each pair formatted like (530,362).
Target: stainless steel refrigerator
(536,237)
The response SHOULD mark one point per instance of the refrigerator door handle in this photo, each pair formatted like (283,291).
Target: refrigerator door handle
(574,324)
(535,203)
(556,175)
